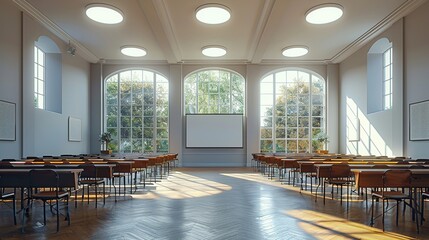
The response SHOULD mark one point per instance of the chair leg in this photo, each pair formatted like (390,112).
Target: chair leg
(44,213)
(58,215)
(14,209)
(382,218)
(96,195)
(372,212)
(104,193)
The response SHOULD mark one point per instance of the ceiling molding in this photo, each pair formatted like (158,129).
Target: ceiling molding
(262,23)
(163,25)
(293,61)
(262,39)
(215,61)
(56,30)
(134,62)
(403,10)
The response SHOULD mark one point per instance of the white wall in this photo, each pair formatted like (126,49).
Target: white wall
(44,132)
(10,72)
(381,132)
(416,74)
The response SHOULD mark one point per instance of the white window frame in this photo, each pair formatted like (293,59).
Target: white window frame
(155,127)
(387,79)
(274,113)
(39,79)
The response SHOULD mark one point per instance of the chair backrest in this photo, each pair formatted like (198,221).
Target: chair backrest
(89,170)
(397,178)
(340,170)
(380,166)
(43,178)
(307,167)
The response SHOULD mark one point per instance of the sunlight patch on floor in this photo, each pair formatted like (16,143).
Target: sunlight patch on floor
(182,186)
(325,226)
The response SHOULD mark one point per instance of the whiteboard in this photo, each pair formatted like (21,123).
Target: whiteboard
(214,131)
(419,121)
(7,121)
(75,129)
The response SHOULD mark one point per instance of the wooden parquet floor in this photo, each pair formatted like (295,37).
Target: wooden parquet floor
(214,203)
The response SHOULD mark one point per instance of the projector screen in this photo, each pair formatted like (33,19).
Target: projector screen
(214,131)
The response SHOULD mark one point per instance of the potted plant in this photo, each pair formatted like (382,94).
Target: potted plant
(105,138)
(319,142)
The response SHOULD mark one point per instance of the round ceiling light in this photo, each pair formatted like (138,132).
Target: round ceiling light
(213,14)
(325,13)
(213,51)
(295,51)
(104,13)
(133,51)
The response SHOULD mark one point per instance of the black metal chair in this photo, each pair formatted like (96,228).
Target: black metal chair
(47,181)
(89,177)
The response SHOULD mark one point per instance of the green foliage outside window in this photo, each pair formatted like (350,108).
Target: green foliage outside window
(136,112)
(292,111)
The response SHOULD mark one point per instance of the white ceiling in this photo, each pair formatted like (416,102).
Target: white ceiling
(256,33)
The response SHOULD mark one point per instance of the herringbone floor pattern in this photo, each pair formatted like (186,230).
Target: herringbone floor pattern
(214,203)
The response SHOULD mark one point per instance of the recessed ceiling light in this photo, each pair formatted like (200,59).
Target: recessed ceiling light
(213,51)
(133,51)
(213,14)
(295,51)
(104,13)
(324,13)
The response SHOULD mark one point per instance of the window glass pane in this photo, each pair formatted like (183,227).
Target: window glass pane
(148,132)
(387,89)
(280,133)
(41,87)
(161,133)
(267,88)
(266,132)
(137,132)
(266,145)
(40,101)
(40,72)
(280,145)
(292,133)
(41,57)
(266,122)
(387,73)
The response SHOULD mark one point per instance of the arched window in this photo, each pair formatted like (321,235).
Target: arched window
(292,111)
(47,75)
(380,76)
(214,91)
(136,111)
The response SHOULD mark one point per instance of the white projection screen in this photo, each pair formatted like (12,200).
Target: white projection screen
(214,131)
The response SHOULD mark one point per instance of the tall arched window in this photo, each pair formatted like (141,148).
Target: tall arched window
(214,91)
(136,111)
(292,111)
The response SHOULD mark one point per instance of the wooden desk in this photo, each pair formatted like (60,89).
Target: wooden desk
(372,178)
(19,178)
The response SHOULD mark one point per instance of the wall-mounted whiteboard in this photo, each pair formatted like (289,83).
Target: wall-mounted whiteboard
(419,121)
(7,121)
(75,129)
(214,131)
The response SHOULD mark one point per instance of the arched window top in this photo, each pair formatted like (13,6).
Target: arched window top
(47,45)
(146,72)
(214,91)
(380,46)
(380,76)
(290,70)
